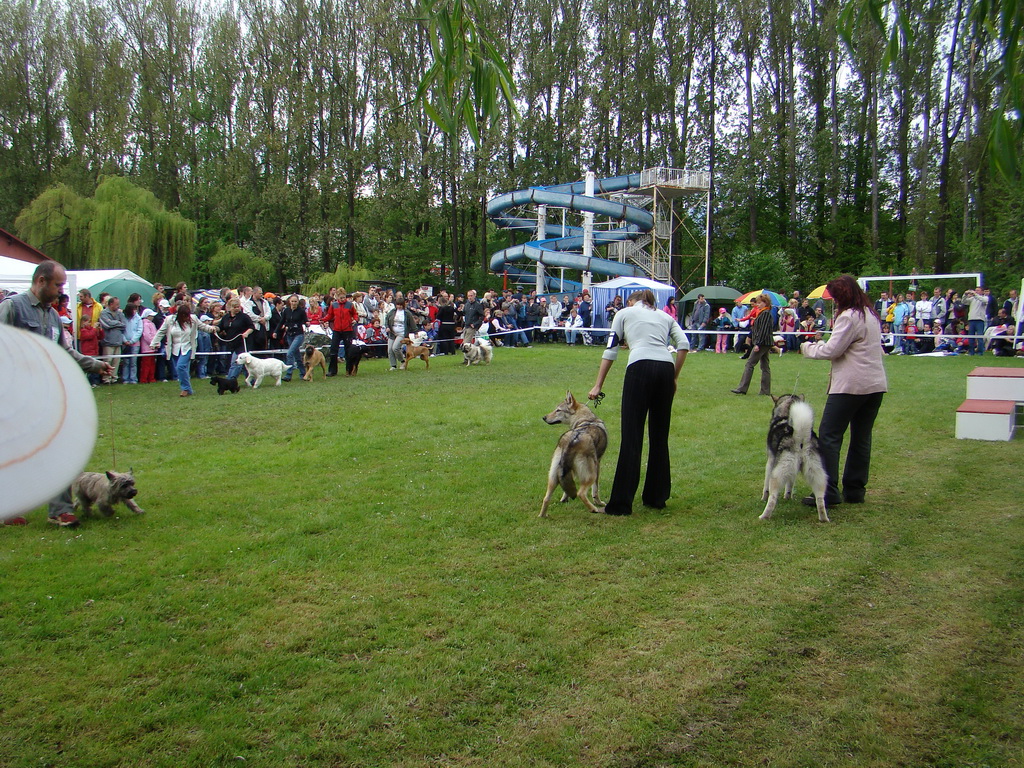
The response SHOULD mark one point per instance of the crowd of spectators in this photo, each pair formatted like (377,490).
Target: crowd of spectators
(912,323)
(249,319)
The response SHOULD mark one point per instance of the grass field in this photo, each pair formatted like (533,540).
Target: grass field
(353,573)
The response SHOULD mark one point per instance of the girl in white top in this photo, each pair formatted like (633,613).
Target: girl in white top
(182,330)
(648,389)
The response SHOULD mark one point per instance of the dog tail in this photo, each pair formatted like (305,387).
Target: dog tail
(801,418)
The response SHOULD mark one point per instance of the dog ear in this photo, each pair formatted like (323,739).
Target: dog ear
(775,399)
(569,399)
(110,476)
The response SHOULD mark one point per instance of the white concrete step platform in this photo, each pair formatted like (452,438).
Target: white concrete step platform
(985,383)
(985,420)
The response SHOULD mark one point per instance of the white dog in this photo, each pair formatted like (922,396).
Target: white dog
(260,367)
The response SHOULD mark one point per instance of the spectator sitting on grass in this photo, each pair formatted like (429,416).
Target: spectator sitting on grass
(943,342)
(887,339)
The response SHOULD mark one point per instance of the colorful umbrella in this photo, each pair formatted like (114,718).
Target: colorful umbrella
(778,299)
(821,292)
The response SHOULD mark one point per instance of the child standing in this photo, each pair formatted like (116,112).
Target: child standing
(89,342)
(147,361)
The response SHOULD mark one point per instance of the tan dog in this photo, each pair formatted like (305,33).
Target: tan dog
(413,351)
(577,459)
(311,358)
(105,490)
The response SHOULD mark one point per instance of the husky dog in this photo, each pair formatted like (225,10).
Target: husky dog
(793,448)
(258,368)
(105,490)
(414,350)
(224,384)
(311,358)
(477,351)
(577,460)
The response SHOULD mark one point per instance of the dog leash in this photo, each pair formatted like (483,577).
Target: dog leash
(113,441)
(597,400)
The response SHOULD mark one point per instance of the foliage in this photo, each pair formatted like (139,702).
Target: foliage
(122,226)
(57,223)
(390,597)
(234,267)
(295,131)
(751,270)
(349,277)
(468,76)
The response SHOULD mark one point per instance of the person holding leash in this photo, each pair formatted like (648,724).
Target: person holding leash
(856,386)
(32,311)
(648,389)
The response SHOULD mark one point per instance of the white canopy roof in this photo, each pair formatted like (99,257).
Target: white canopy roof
(15,274)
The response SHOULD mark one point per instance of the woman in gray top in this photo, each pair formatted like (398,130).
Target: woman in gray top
(647,392)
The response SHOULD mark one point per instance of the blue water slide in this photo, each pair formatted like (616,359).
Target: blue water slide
(564,246)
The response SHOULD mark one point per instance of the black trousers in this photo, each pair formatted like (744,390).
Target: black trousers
(339,338)
(856,413)
(647,393)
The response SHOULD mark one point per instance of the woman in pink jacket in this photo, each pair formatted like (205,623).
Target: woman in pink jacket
(856,386)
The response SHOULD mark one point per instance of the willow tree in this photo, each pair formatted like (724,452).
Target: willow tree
(122,227)
(57,223)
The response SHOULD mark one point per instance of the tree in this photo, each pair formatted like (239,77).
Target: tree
(123,226)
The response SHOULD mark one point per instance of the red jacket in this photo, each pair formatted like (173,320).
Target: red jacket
(89,340)
(340,317)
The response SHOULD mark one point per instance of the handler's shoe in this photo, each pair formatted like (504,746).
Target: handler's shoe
(65,520)
(19,520)
(829,503)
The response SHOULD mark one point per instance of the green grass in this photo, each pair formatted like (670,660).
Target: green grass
(353,573)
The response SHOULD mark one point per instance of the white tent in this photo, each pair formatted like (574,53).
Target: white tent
(604,293)
(87,278)
(15,274)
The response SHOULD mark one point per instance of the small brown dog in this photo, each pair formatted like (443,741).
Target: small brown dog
(105,490)
(413,351)
(311,358)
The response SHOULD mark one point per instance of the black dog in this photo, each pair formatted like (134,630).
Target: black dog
(224,385)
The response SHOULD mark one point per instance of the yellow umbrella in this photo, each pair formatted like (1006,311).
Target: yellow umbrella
(821,292)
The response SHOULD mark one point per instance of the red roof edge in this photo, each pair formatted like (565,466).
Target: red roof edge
(15,248)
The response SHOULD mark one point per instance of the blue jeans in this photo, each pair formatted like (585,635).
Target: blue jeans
(976,328)
(570,335)
(203,345)
(181,365)
(130,365)
(294,357)
(234,368)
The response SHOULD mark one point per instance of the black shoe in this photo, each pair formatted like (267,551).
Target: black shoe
(329,374)
(810,502)
(618,512)
(737,392)
(853,499)
(654,505)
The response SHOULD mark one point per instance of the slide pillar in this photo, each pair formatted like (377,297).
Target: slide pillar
(542,229)
(588,229)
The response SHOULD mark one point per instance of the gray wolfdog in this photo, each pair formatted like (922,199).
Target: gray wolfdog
(476,352)
(792,449)
(577,459)
(105,490)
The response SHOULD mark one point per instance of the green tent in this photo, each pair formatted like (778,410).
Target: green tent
(123,287)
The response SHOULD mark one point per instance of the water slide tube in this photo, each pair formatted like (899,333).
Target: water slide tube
(563,248)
